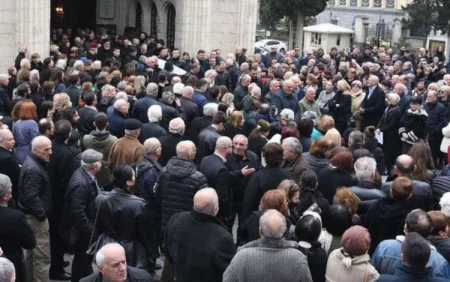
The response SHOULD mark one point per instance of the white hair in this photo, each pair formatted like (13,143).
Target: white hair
(209,72)
(294,145)
(267,229)
(445,204)
(118,104)
(78,63)
(223,142)
(121,95)
(151,145)
(394,97)
(287,114)
(7,270)
(38,140)
(61,64)
(100,256)
(176,126)
(154,113)
(365,168)
(25,63)
(152,89)
(210,109)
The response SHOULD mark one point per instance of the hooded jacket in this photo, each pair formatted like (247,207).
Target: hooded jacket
(102,143)
(178,182)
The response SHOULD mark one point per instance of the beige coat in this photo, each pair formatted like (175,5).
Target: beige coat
(357,100)
(126,150)
(359,269)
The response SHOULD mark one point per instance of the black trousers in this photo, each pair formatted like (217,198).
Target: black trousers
(82,263)
(57,248)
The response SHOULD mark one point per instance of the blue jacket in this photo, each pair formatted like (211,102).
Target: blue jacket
(141,106)
(200,99)
(407,274)
(117,124)
(386,259)
(282,101)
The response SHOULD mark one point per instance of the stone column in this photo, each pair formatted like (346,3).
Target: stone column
(7,35)
(33,25)
(247,24)
(396,30)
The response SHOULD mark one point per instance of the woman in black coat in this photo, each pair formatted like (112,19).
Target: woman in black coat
(389,125)
(341,106)
(124,218)
(267,178)
(413,126)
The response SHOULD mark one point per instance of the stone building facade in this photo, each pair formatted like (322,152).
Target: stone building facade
(364,17)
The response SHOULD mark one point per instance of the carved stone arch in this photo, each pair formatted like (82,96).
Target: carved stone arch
(168,22)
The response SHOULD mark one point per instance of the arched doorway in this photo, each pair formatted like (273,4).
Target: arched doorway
(154,21)
(170,31)
(138,23)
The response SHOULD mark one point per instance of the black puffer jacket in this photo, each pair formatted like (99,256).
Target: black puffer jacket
(79,209)
(124,218)
(177,185)
(34,188)
(415,125)
(371,144)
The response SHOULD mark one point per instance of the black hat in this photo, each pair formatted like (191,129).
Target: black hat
(132,124)
(416,101)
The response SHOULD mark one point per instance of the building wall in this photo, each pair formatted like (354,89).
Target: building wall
(328,42)
(200,24)
(23,22)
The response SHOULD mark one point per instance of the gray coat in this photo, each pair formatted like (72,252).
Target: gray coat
(267,260)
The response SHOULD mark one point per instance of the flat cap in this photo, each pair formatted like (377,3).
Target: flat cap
(91,156)
(132,124)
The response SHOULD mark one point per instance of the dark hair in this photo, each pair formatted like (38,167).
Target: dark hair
(44,108)
(305,127)
(62,129)
(73,79)
(168,66)
(101,121)
(370,131)
(74,139)
(423,159)
(416,251)
(88,98)
(338,220)
(264,127)
(67,114)
(214,92)
(44,125)
(219,117)
(308,228)
(343,161)
(272,153)
(200,83)
(47,62)
(223,107)
(115,80)
(34,86)
(359,153)
(308,185)
(122,173)
(420,222)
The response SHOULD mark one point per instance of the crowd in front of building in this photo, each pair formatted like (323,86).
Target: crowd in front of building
(333,166)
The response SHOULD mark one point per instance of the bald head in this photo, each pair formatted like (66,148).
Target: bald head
(188,92)
(404,165)
(186,150)
(272,224)
(206,201)
(109,253)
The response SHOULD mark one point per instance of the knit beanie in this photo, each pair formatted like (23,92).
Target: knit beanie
(356,240)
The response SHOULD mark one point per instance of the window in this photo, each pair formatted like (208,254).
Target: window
(390,3)
(338,40)
(171,14)
(316,38)
(154,20)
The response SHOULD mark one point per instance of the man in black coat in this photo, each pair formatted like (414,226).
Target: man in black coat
(200,123)
(223,77)
(108,269)
(239,159)
(73,91)
(170,112)
(170,141)
(373,105)
(206,139)
(436,121)
(220,177)
(197,244)
(142,105)
(191,110)
(152,129)
(61,166)
(8,162)
(79,212)
(87,114)
(4,97)
(36,202)
(15,233)
(241,90)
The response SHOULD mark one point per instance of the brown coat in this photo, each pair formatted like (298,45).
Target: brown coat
(127,150)
(296,167)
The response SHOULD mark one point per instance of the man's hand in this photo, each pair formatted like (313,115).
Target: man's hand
(247,171)
(378,131)
(177,101)
(404,136)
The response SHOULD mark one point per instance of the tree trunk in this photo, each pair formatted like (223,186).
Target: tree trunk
(300,24)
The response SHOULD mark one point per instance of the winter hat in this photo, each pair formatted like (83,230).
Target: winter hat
(356,241)
(132,124)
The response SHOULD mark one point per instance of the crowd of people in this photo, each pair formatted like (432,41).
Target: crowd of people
(332,166)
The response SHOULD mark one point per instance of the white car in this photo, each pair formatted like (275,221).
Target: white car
(268,43)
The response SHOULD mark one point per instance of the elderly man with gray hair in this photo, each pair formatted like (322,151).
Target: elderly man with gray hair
(198,246)
(200,123)
(141,106)
(169,142)
(270,258)
(16,233)
(294,162)
(7,271)
(77,223)
(366,187)
(112,266)
(152,128)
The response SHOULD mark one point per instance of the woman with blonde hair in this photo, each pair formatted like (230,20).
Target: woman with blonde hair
(348,199)
(358,96)
(334,137)
(234,125)
(341,106)
(258,137)
(139,86)
(228,98)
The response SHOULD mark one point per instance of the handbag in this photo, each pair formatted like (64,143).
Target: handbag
(100,242)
